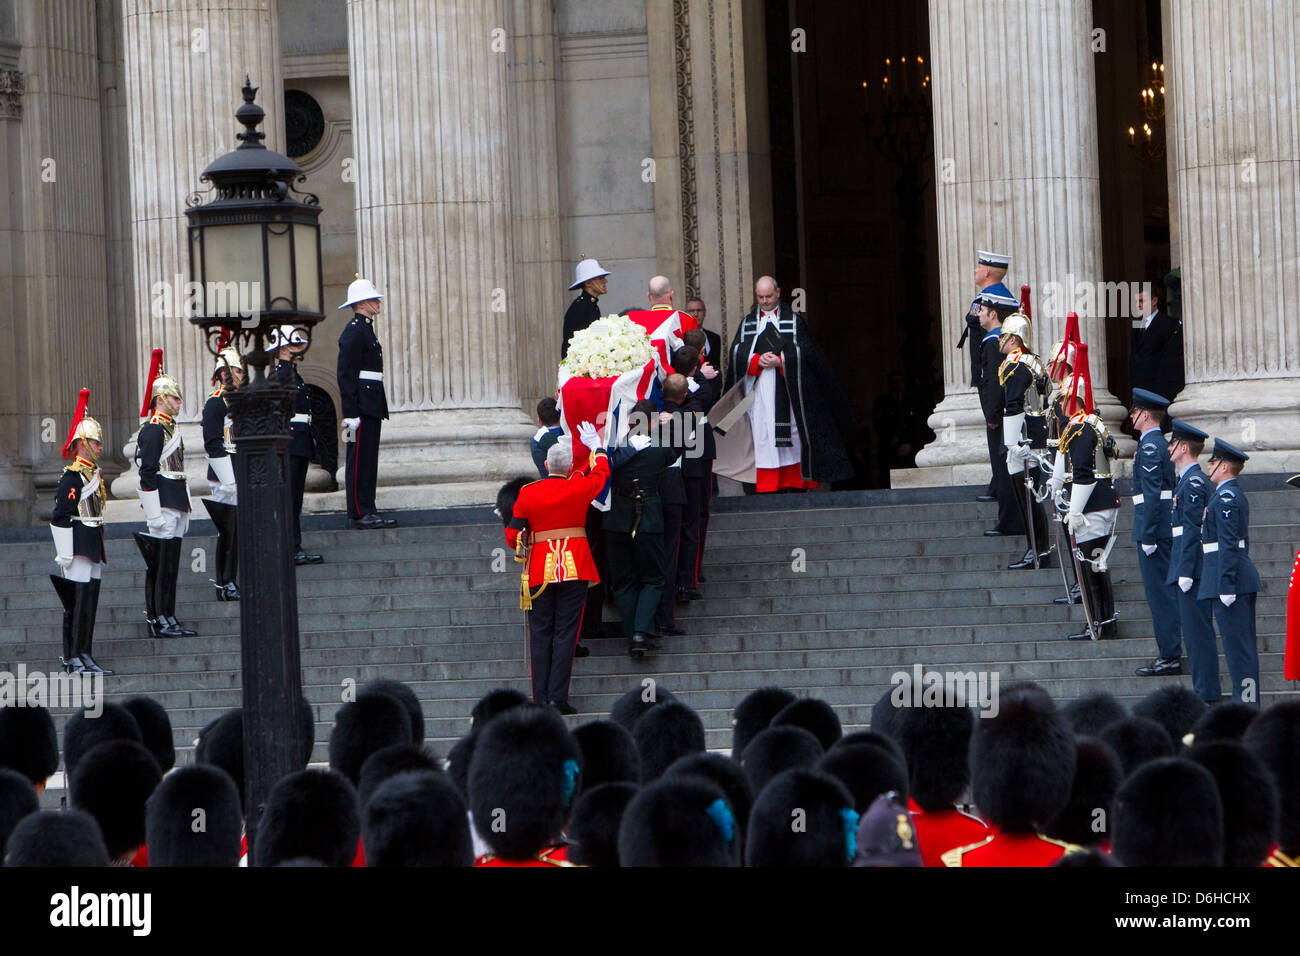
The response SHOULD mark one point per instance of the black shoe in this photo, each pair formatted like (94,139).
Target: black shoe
(986,498)
(564,708)
(232,592)
(185,631)
(994,533)
(1084,635)
(369,521)
(1072,599)
(164,628)
(302,557)
(1026,562)
(73,665)
(580,651)
(1162,667)
(671,630)
(388,522)
(92,667)
(638,645)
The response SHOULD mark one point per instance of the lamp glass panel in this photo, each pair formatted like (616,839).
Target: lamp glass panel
(307,262)
(279,266)
(233,281)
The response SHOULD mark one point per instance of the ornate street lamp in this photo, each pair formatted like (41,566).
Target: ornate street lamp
(255,265)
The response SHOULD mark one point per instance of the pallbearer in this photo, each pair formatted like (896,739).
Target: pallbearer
(1088,449)
(1195,617)
(228,375)
(77,527)
(165,498)
(289,344)
(1229,581)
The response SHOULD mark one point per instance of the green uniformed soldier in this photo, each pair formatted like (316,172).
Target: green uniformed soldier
(634,525)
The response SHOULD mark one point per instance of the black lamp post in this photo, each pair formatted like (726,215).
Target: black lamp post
(255,259)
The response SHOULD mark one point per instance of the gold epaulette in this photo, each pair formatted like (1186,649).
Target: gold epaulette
(1074,427)
(217,393)
(1278,858)
(1020,357)
(953,857)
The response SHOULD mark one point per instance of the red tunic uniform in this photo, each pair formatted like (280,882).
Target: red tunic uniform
(944,830)
(653,317)
(1010,849)
(555,856)
(1291,660)
(555,503)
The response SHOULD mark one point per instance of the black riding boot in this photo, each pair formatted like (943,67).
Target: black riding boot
(88,630)
(168,573)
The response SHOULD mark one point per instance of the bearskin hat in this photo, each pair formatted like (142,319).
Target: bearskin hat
(363,726)
(155,729)
(417,819)
(776,750)
(1022,761)
(754,713)
(665,733)
(678,821)
(523,776)
(1168,813)
(866,771)
(70,839)
(1174,707)
(802,818)
(389,762)
(629,708)
(1225,721)
(936,745)
(815,716)
(1274,737)
(17,799)
(493,704)
(221,744)
(1137,740)
(876,740)
(593,830)
(507,495)
(1250,802)
(885,714)
(1089,714)
(112,781)
(310,813)
(1097,775)
(81,732)
(170,817)
(404,696)
(725,773)
(28,742)
(609,754)
(1086,860)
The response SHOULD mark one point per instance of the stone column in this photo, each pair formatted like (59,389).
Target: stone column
(184,66)
(61,338)
(535,193)
(1236,86)
(1016,171)
(431,126)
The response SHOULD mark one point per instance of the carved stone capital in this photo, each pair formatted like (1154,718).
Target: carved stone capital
(11,91)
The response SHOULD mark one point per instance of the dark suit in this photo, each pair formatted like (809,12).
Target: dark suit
(636,562)
(1157,360)
(301,447)
(992,400)
(582,312)
(361,390)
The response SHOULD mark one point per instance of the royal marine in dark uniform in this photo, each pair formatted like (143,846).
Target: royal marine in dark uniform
(219,446)
(590,278)
(1024,381)
(78,529)
(288,344)
(165,498)
(1153,496)
(365,403)
(1229,581)
(1196,618)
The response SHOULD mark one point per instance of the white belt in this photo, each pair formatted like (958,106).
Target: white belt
(89,522)
(1164,496)
(372,376)
(1178,531)
(303,419)
(174,475)
(1210,548)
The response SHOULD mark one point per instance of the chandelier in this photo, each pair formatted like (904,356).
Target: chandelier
(1148,140)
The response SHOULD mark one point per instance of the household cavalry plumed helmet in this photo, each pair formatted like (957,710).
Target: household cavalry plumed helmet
(227,359)
(158,383)
(82,428)
(1018,324)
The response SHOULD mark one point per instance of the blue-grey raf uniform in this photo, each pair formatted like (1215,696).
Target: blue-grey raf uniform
(1153,493)
(1229,581)
(1196,617)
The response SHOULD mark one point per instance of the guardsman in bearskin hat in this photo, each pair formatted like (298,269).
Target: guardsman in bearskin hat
(112,783)
(290,344)
(829,836)
(1196,618)
(227,375)
(753,715)
(548,531)
(1168,813)
(29,744)
(1274,737)
(680,821)
(1022,764)
(170,833)
(1087,449)
(78,529)
(1153,494)
(165,497)
(1024,382)
(1229,581)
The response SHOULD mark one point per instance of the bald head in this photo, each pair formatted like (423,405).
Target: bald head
(767,292)
(660,291)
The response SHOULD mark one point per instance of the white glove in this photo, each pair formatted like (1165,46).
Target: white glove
(224,469)
(639,442)
(1018,452)
(588,435)
(156,526)
(151,505)
(1184,584)
(1075,521)
(1227,599)
(1148,549)
(62,546)
(352,424)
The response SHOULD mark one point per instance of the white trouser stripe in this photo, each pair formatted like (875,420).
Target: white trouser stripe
(372,376)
